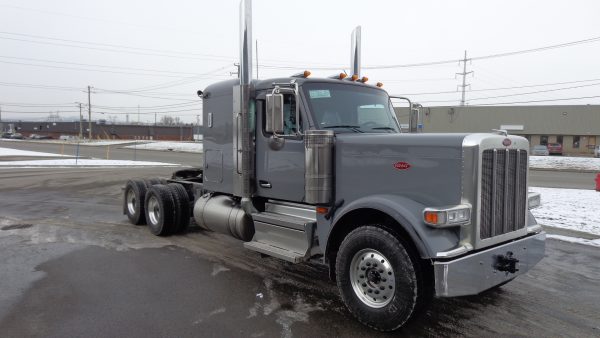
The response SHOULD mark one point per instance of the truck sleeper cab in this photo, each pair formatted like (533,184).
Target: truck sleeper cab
(396,217)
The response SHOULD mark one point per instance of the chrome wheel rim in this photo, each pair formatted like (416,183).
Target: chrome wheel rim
(131,202)
(153,210)
(372,278)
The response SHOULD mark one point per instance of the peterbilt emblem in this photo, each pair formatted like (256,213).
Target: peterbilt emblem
(506,142)
(401,165)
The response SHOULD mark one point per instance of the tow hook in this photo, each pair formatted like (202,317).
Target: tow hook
(506,263)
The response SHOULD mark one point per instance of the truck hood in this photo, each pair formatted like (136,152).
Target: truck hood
(426,168)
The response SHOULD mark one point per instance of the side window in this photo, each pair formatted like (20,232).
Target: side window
(290,125)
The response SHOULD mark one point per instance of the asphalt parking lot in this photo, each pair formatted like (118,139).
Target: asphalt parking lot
(71,265)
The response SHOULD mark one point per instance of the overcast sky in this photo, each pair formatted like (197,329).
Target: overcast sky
(156,54)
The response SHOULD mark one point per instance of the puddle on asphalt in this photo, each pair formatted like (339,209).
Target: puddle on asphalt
(17,226)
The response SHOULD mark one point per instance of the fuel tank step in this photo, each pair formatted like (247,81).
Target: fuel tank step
(287,235)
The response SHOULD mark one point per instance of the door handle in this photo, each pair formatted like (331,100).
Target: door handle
(264,184)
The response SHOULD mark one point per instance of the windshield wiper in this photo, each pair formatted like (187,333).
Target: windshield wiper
(351,127)
(384,128)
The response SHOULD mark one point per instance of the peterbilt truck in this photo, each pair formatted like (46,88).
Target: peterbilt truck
(317,170)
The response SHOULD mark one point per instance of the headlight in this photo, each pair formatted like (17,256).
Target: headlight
(447,216)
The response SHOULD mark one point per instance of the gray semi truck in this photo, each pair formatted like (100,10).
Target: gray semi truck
(317,170)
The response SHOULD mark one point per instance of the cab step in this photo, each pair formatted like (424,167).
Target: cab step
(285,230)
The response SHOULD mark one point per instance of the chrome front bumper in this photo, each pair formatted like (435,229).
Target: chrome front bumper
(472,274)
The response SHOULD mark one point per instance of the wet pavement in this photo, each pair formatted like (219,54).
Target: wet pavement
(70,265)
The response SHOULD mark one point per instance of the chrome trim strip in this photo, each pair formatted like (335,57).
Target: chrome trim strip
(454,252)
(505,209)
(494,165)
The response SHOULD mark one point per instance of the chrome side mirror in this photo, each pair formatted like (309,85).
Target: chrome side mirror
(274,118)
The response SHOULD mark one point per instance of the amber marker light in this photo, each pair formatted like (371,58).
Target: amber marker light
(364,79)
(343,76)
(354,77)
(379,84)
(306,73)
(322,210)
(431,217)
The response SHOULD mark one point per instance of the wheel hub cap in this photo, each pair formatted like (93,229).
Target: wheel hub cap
(372,278)
(131,202)
(153,210)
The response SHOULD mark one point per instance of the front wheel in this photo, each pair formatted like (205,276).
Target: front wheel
(378,278)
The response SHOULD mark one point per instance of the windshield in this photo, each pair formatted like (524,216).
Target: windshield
(350,108)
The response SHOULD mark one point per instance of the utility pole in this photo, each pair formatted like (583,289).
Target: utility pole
(80,120)
(256,52)
(238,69)
(138,114)
(90,112)
(197,128)
(155,119)
(464,73)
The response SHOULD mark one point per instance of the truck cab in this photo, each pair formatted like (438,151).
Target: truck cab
(317,170)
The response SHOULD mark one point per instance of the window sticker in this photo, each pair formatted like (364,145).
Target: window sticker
(319,93)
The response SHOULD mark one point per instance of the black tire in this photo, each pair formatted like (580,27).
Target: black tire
(182,207)
(154,181)
(388,264)
(160,214)
(134,198)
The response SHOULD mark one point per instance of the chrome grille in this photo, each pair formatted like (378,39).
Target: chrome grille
(503,191)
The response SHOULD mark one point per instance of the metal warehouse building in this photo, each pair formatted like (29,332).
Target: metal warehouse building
(576,127)
(105,131)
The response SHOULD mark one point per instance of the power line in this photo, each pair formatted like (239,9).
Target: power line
(133,52)
(535,92)
(92,70)
(490,56)
(533,101)
(119,46)
(501,88)
(96,65)
(87,18)
(519,94)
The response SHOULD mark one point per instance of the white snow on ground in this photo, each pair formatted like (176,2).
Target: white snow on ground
(564,162)
(191,147)
(592,242)
(79,163)
(104,142)
(4,152)
(573,209)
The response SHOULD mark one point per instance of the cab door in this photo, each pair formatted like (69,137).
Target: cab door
(280,160)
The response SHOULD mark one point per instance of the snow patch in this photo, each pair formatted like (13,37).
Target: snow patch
(564,162)
(190,147)
(218,268)
(591,242)
(80,163)
(573,209)
(5,152)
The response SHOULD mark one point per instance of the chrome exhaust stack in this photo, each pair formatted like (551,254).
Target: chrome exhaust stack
(355,53)
(244,111)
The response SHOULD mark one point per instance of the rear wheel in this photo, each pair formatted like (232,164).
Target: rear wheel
(133,201)
(378,278)
(182,207)
(160,210)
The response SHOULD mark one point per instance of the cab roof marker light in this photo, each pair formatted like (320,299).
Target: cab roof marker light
(354,77)
(364,79)
(379,84)
(339,76)
(304,74)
